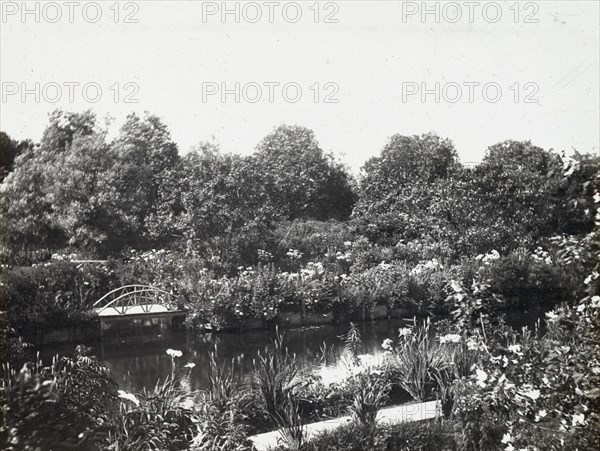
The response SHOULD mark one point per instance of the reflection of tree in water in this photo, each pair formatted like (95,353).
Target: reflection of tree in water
(137,365)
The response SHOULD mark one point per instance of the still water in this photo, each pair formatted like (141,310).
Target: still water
(135,365)
(138,365)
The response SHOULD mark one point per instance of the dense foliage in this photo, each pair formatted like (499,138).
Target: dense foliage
(287,231)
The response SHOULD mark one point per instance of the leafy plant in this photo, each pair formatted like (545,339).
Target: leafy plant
(353,343)
(368,400)
(418,359)
(68,404)
(275,377)
(291,424)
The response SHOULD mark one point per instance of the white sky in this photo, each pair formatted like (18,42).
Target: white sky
(368,54)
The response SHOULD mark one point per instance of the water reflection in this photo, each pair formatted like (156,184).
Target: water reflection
(135,366)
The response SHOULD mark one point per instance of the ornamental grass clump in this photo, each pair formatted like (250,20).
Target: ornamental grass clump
(291,425)
(368,400)
(275,377)
(222,425)
(418,358)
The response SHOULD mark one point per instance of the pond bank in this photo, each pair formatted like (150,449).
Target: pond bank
(389,415)
(145,329)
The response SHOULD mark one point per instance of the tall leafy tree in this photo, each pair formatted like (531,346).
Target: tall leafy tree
(225,207)
(85,200)
(517,186)
(397,187)
(300,179)
(9,151)
(29,208)
(146,164)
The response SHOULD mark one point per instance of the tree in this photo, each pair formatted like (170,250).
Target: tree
(9,151)
(147,164)
(517,187)
(226,211)
(397,188)
(302,181)
(29,209)
(519,194)
(86,204)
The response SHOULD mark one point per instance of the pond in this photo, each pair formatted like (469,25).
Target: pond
(138,365)
(135,365)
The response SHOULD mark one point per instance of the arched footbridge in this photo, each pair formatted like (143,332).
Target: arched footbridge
(137,300)
(133,310)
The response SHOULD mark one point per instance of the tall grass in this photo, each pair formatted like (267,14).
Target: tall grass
(221,382)
(368,400)
(292,425)
(418,359)
(275,377)
(158,420)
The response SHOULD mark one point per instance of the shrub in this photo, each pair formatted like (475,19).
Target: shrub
(69,404)
(156,419)
(56,292)
(312,239)
(420,435)
(527,278)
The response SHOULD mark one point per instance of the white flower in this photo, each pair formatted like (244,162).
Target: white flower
(387,344)
(593,276)
(404,332)
(450,338)
(515,349)
(578,420)
(383,265)
(174,353)
(506,438)
(189,365)
(481,377)
(474,345)
(129,397)
(551,317)
(456,286)
(532,394)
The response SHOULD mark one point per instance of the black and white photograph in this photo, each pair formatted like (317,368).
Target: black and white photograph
(300,225)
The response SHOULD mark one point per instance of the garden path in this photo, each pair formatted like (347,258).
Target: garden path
(389,415)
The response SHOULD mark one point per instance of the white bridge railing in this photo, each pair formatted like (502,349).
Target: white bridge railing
(135,299)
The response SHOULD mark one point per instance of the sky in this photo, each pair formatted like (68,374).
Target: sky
(355,72)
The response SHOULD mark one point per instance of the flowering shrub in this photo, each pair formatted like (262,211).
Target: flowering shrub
(160,268)
(531,278)
(314,287)
(251,294)
(382,284)
(55,292)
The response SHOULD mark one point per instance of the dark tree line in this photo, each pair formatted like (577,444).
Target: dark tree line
(77,189)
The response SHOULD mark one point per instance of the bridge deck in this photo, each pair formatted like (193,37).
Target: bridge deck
(148,309)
